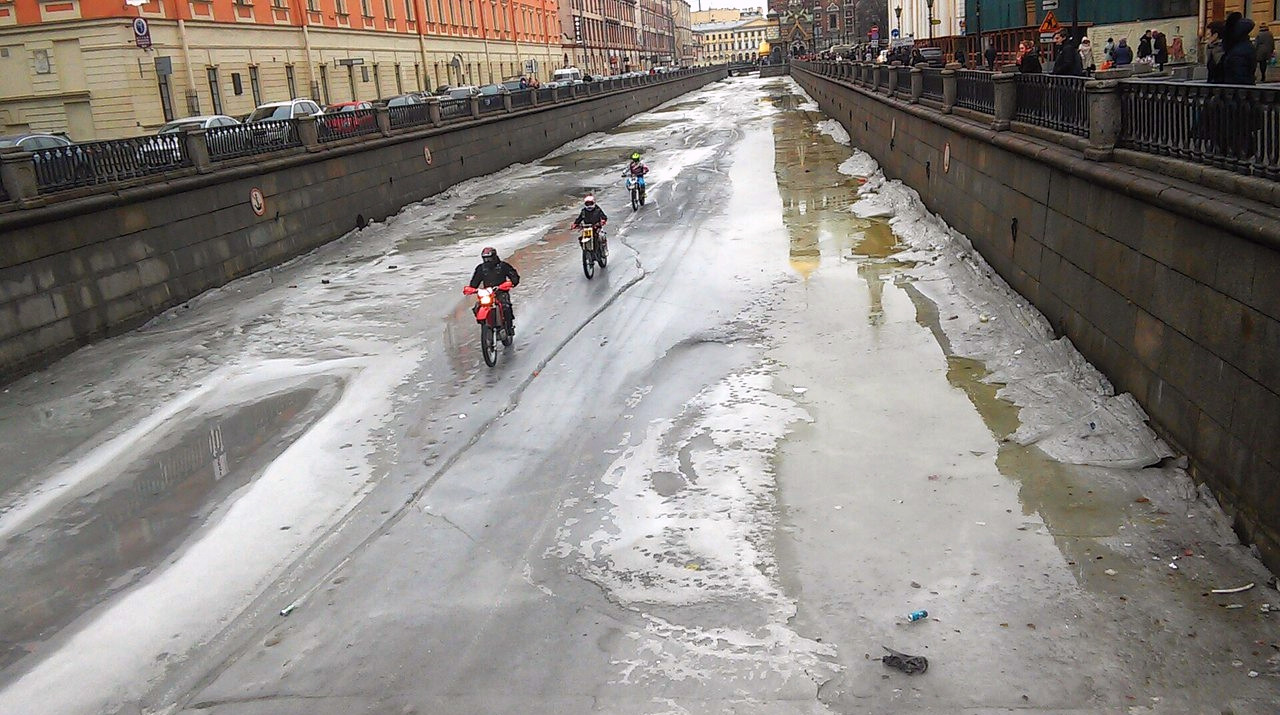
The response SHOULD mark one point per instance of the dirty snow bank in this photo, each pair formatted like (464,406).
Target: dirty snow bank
(1069,409)
(688,527)
(832,128)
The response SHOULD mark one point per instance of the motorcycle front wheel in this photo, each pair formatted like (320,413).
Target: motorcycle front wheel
(487,345)
(635,200)
(588,263)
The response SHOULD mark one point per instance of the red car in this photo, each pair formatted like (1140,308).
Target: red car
(347,117)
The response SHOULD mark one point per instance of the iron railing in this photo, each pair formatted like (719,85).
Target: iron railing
(975,90)
(546,94)
(451,109)
(1228,126)
(565,92)
(409,115)
(343,125)
(931,84)
(1054,101)
(903,88)
(249,139)
(69,167)
(490,103)
(523,98)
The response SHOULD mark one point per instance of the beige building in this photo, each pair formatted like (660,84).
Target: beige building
(737,41)
(64,72)
(729,14)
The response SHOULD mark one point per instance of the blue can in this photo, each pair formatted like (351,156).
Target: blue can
(917,616)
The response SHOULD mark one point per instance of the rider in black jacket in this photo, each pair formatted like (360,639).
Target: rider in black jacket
(592,215)
(491,273)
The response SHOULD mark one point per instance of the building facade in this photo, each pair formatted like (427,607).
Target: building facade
(601,36)
(948,15)
(737,41)
(682,18)
(83,68)
(796,20)
(657,33)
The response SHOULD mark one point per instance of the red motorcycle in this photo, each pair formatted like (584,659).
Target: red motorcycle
(491,316)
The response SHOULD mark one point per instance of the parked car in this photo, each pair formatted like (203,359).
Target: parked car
(512,84)
(567,75)
(461,92)
(491,89)
(31,142)
(932,56)
(278,111)
(404,100)
(341,117)
(208,121)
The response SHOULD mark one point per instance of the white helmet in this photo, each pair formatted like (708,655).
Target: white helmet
(589,201)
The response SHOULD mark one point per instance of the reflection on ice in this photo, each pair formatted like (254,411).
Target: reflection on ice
(105,540)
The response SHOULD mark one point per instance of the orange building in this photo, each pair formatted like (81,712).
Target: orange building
(79,67)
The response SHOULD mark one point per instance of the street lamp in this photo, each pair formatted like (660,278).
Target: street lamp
(930,4)
(897,11)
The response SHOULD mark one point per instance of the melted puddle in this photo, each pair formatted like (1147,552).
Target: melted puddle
(107,540)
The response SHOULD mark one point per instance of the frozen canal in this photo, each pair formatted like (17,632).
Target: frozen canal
(793,409)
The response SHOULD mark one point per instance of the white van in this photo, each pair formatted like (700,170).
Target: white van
(567,76)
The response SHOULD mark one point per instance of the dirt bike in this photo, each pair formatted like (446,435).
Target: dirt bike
(492,317)
(636,186)
(593,250)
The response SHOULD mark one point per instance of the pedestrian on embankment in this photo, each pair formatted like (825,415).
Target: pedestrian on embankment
(1161,45)
(1029,59)
(990,56)
(1123,53)
(1265,46)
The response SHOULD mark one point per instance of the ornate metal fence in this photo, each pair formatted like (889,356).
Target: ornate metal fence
(409,115)
(492,103)
(1227,126)
(523,98)
(931,87)
(451,109)
(248,139)
(975,90)
(1053,101)
(343,125)
(565,92)
(546,94)
(69,167)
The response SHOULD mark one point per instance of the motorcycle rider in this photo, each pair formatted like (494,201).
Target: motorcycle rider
(491,273)
(637,168)
(592,215)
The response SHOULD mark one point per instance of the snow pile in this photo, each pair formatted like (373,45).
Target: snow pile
(860,165)
(1069,409)
(690,527)
(832,128)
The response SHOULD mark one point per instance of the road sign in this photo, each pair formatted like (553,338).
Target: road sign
(257,202)
(1050,24)
(1046,38)
(935,21)
(141,33)
(1049,5)
(531,67)
(894,33)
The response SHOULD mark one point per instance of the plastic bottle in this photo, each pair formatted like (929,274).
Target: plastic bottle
(917,615)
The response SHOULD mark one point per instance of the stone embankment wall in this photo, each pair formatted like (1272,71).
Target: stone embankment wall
(1172,290)
(75,271)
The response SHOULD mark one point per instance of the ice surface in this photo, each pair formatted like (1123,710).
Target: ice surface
(1069,409)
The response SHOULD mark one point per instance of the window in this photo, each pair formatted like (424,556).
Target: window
(254,86)
(313,5)
(236,87)
(324,84)
(366,8)
(408,11)
(279,4)
(291,80)
(399,81)
(377,82)
(389,7)
(166,97)
(212,73)
(340,6)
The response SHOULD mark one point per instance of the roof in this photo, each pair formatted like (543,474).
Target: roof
(197,118)
(719,26)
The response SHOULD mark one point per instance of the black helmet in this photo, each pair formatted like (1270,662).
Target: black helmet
(489,255)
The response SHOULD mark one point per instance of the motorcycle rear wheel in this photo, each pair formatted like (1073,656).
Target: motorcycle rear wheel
(588,263)
(487,345)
